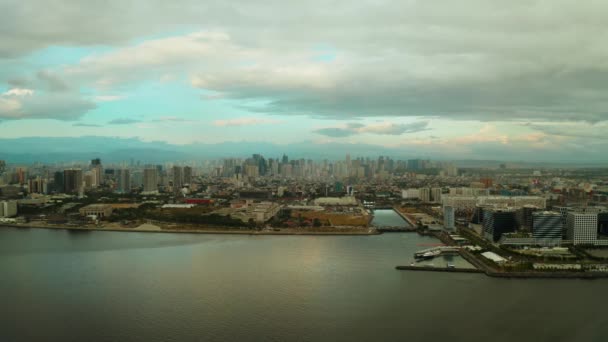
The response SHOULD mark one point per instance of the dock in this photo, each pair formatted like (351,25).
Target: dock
(439,269)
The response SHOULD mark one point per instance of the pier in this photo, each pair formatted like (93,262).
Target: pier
(438,269)
(437,251)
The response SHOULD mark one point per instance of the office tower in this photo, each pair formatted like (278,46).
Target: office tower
(582,228)
(123,179)
(547,227)
(150,181)
(178,178)
(58,181)
(497,222)
(414,164)
(449,219)
(2,166)
(187,175)
(72,181)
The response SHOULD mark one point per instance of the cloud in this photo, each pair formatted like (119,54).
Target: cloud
(22,103)
(123,121)
(482,60)
(174,119)
(386,128)
(52,81)
(109,98)
(244,122)
(583,130)
(18,92)
(81,124)
(334,132)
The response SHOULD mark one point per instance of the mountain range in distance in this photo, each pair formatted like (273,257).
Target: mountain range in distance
(50,150)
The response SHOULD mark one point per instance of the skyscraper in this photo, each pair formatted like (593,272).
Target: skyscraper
(150,181)
(187,175)
(124,181)
(72,181)
(449,220)
(178,178)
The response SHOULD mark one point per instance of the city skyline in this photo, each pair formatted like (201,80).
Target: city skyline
(523,82)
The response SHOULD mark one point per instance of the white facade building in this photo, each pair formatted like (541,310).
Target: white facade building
(582,228)
(8,208)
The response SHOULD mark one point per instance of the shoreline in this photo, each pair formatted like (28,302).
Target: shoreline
(480,267)
(191,231)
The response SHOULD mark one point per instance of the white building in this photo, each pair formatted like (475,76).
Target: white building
(410,193)
(582,228)
(8,208)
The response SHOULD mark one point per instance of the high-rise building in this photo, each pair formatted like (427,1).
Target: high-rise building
(425,195)
(150,181)
(582,228)
(178,178)
(37,185)
(123,179)
(72,181)
(436,195)
(497,222)
(547,227)
(449,218)
(187,175)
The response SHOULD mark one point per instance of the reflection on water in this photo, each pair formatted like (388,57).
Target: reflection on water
(112,286)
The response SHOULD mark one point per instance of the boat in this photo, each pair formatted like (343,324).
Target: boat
(430,254)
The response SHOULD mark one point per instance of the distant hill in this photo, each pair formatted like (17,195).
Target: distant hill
(112,149)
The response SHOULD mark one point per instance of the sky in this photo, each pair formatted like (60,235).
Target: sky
(469,79)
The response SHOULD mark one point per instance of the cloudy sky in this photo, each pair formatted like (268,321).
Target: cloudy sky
(470,79)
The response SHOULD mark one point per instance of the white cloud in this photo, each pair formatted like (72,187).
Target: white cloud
(21,103)
(18,92)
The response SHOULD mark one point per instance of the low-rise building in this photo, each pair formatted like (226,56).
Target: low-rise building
(99,210)
(8,209)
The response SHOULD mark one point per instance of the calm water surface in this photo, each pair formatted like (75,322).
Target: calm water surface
(388,217)
(111,286)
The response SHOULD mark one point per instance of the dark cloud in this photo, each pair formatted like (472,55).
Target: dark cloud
(123,121)
(471,59)
(334,132)
(385,128)
(52,81)
(81,124)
